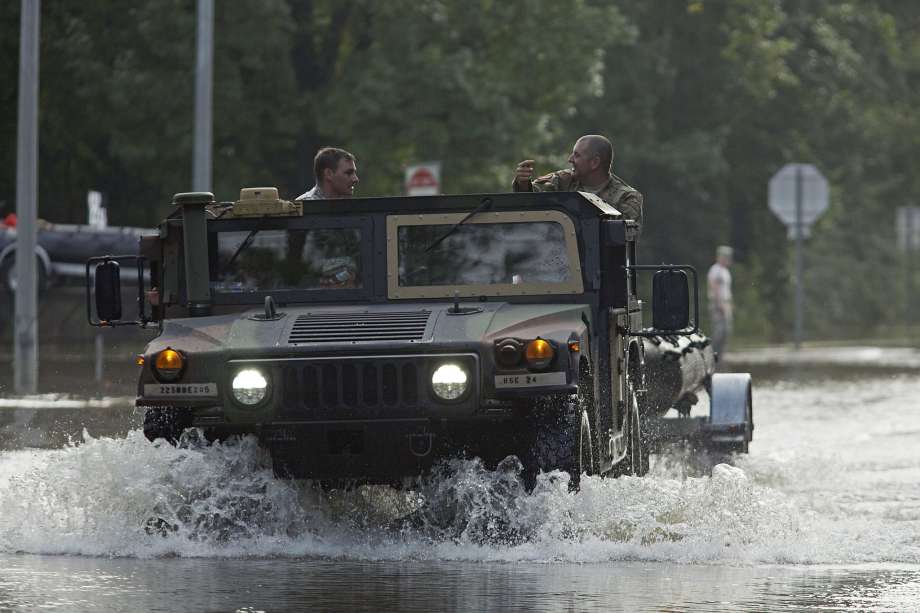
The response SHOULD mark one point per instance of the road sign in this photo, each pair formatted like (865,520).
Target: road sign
(798,183)
(797,194)
(98,218)
(908,232)
(423,179)
(908,228)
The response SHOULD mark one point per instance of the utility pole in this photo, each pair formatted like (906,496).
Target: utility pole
(25,377)
(204,71)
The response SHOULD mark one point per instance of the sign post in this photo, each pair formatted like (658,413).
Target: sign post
(25,369)
(798,195)
(908,232)
(97,218)
(423,179)
(204,71)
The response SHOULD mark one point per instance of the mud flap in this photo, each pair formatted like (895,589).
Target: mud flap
(731,415)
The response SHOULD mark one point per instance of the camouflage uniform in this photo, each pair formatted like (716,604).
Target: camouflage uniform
(615,191)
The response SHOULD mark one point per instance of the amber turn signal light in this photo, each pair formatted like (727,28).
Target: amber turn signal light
(539,354)
(169,364)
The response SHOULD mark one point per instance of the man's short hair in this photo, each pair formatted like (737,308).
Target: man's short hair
(329,157)
(724,250)
(601,147)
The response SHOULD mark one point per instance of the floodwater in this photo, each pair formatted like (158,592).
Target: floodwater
(823,515)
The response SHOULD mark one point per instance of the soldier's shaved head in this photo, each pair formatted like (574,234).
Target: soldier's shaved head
(592,160)
(601,147)
(590,170)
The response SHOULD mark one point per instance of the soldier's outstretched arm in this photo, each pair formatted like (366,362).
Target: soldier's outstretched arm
(522,177)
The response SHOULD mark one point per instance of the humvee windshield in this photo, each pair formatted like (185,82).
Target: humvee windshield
(286,259)
(502,253)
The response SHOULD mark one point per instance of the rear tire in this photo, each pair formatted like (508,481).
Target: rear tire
(636,460)
(562,440)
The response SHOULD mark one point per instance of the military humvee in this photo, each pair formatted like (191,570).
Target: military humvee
(367,339)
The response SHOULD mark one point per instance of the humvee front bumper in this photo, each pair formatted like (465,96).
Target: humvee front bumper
(383,450)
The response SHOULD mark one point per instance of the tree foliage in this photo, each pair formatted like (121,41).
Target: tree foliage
(703,99)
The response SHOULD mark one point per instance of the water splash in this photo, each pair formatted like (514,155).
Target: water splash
(126,497)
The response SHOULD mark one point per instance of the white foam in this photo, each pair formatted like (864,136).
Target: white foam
(97,499)
(798,498)
(63,401)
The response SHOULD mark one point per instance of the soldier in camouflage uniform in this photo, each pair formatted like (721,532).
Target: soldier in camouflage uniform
(592,164)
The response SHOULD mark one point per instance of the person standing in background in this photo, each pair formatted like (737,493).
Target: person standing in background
(719,283)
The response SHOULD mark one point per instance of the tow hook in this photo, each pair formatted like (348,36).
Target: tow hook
(420,444)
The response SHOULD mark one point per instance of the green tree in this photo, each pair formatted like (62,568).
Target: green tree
(474,84)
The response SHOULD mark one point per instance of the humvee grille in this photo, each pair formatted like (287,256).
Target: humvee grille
(335,389)
(358,327)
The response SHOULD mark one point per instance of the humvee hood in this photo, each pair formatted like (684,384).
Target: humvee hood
(234,332)
(331,326)
(533,320)
(198,334)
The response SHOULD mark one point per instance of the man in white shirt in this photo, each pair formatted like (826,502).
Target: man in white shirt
(336,175)
(719,283)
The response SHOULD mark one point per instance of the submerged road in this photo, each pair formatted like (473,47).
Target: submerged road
(823,515)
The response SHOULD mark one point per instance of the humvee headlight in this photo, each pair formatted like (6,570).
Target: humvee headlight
(168,365)
(539,354)
(249,387)
(449,381)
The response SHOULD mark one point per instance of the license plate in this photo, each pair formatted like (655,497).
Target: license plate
(199,390)
(529,380)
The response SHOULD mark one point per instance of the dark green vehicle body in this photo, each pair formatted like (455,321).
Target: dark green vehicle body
(349,363)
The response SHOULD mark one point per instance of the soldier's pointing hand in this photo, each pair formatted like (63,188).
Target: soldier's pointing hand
(524,173)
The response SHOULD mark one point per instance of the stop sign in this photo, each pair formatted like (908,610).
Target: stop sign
(423,179)
(798,190)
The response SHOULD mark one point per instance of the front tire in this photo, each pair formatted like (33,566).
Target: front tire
(168,424)
(562,440)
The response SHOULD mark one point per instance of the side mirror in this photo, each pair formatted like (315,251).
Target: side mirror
(670,301)
(103,273)
(108,291)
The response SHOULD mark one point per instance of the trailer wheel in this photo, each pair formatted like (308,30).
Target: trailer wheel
(731,413)
(562,440)
(636,460)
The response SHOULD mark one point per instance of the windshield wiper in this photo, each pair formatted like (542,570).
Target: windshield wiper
(244,245)
(486,203)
